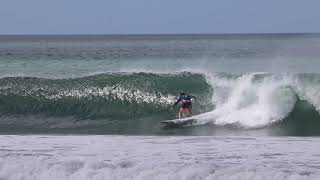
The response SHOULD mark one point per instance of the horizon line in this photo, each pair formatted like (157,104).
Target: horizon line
(155,34)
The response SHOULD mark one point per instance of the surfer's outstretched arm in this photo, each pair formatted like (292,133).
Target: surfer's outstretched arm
(176,102)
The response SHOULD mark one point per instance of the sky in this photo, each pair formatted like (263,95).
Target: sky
(158,16)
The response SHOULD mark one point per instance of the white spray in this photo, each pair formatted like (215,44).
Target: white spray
(250,102)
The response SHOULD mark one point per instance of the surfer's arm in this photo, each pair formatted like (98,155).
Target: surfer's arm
(176,102)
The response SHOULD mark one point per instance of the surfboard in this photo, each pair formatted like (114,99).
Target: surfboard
(179,122)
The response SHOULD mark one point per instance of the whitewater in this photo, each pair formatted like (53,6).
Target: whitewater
(149,157)
(89,107)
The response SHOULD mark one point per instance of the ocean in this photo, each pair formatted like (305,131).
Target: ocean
(90,106)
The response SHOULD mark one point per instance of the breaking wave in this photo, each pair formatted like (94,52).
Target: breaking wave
(116,100)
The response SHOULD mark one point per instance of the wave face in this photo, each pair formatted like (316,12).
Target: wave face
(96,100)
(101,96)
(135,102)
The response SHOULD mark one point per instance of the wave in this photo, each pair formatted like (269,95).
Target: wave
(124,102)
(114,95)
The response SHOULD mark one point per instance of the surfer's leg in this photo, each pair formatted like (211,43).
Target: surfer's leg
(181,111)
(190,112)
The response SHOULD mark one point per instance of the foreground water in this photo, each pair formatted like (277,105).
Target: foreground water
(158,157)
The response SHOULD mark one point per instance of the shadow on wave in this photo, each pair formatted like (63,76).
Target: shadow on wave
(304,120)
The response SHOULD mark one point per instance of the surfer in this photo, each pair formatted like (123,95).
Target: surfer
(185,104)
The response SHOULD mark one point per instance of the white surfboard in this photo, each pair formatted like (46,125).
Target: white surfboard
(179,122)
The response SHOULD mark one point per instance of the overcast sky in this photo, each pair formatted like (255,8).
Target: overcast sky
(158,16)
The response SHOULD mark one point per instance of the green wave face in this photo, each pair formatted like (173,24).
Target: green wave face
(104,96)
